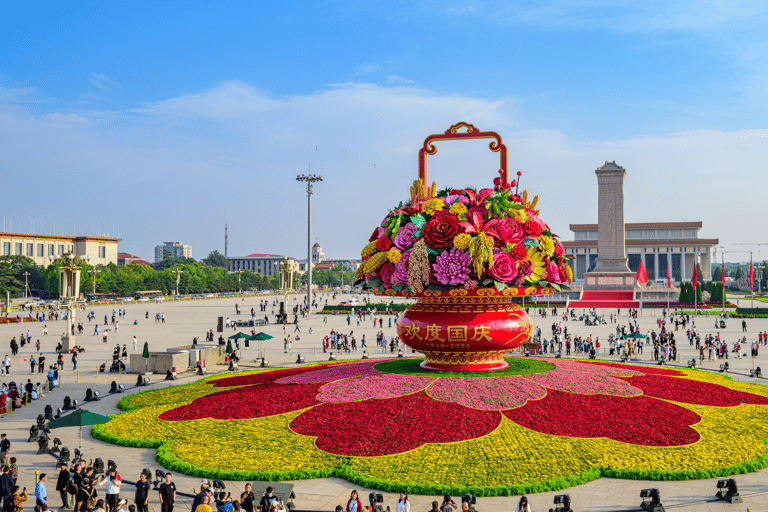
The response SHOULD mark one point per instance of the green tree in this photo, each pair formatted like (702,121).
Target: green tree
(216,259)
(717,273)
(739,273)
(173,262)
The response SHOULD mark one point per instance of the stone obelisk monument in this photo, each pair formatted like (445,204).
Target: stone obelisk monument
(611,271)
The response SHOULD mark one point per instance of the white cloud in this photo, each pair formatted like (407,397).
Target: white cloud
(103,82)
(394,79)
(21,95)
(184,166)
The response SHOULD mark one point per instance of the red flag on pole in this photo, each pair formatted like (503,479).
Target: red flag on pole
(722,274)
(751,281)
(694,281)
(642,275)
(669,277)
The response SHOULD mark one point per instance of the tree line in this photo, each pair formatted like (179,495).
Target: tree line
(207,276)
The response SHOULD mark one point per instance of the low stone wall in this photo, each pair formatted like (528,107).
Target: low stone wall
(161,362)
(157,362)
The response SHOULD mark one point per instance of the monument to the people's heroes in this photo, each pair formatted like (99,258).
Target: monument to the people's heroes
(611,271)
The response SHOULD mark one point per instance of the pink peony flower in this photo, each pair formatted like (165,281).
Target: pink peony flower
(510,231)
(559,251)
(504,268)
(524,269)
(452,267)
(403,239)
(551,273)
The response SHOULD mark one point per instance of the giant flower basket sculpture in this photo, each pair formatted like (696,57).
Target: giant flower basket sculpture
(463,254)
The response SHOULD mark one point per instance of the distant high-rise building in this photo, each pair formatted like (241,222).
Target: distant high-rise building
(318,256)
(172,250)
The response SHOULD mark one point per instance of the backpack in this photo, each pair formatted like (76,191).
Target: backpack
(91,502)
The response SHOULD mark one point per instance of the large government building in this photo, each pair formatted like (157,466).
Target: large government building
(45,249)
(656,242)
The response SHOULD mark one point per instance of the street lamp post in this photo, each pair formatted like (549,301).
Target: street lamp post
(26,284)
(310,179)
(94,272)
(239,273)
(178,273)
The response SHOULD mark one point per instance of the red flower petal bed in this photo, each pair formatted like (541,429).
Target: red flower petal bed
(395,425)
(693,392)
(636,420)
(648,370)
(261,377)
(247,402)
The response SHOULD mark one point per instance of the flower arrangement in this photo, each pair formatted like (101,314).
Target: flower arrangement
(540,425)
(463,238)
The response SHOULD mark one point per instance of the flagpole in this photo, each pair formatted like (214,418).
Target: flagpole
(722,278)
(751,283)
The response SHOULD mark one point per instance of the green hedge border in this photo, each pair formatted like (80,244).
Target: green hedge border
(166,459)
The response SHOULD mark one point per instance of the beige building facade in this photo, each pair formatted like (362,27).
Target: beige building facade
(45,249)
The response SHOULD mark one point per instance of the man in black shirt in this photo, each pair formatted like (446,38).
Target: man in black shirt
(141,498)
(247,499)
(266,500)
(167,494)
(5,447)
(61,485)
(6,485)
(85,493)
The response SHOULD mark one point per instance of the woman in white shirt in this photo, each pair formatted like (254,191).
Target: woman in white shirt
(403,505)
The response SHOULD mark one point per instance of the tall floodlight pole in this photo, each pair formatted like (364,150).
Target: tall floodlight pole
(310,179)
(178,273)
(26,284)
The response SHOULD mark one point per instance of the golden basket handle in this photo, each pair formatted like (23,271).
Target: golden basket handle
(452,133)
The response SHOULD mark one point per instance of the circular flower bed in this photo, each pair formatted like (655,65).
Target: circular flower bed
(541,424)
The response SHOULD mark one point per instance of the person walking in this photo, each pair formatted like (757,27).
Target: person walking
(5,447)
(32,363)
(41,496)
(75,359)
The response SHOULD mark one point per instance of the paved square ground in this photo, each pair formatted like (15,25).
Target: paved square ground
(186,320)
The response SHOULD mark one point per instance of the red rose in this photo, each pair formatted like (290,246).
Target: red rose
(532,228)
(386,274)
(383,243)
(559,251)
(440,230)
(519,252)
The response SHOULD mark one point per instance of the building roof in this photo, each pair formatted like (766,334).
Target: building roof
(647,241)
(258,255)
(316,244)
(641,225)
(125,255)
(60,237)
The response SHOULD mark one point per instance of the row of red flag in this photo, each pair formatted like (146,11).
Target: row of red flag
(642,275)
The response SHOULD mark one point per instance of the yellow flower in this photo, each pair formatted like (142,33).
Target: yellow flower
(568,273)
(369,249)
(461,241)
(393,255)
(432,205)
(374,262)
(536,260)
(547,246)
(520,216)
(458,209)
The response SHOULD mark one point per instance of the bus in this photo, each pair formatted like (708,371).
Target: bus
(100,297)
(147,295)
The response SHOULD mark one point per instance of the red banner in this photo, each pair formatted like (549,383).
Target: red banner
(642,275)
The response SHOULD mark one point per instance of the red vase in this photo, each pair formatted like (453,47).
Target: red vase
(466,330)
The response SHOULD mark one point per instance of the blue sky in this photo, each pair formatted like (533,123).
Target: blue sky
(164,121)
